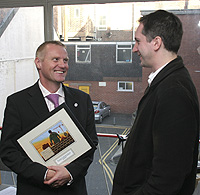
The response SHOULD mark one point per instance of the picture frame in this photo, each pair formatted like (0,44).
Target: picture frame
(57,139)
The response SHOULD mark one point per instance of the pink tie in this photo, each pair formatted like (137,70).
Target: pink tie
(54,99)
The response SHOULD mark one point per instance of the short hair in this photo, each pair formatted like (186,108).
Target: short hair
(50,131)
(165,25)
(41,48)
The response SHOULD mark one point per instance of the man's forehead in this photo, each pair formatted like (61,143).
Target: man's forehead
(55,46)
(55,49)
(140,28)
(138,32)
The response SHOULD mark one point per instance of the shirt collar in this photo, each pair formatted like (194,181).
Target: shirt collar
(45,92)
(153,74)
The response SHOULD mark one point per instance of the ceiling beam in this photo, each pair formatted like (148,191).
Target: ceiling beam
(28,3)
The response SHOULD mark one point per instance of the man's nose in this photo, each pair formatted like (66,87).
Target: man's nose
(135,49)
(63,63)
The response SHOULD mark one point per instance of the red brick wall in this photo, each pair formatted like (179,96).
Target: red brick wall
(126,102)
(120,102)
(190,43)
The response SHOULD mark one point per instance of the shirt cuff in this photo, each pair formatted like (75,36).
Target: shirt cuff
(45,175)
(71,180)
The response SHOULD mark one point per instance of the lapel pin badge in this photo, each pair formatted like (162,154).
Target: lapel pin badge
(75,104)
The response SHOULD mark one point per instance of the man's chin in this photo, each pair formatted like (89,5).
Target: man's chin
(144,65)
(60,79)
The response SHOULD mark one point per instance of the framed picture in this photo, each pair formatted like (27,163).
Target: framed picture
(58,139)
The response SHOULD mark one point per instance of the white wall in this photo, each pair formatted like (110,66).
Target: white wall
(17,49)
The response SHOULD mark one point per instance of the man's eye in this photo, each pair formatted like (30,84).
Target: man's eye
(55,59)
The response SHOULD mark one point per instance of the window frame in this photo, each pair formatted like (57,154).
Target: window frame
(102,27)
(76,12)
(125,90)
(48,9)
(76,52)
(122,48)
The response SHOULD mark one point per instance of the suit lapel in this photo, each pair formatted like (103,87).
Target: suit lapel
(37,101)
(39,106)
(72,101)
(167,70)
(146,90)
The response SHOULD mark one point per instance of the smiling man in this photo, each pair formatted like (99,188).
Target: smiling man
(160,156)
(52,64)
(26,107)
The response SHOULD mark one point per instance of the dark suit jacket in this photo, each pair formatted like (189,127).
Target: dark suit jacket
(25,108)
(160,156)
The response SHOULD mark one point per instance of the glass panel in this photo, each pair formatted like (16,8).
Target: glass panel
(102,23)
(122,86)
(124,55)
(107,27)
(125,86)
(21,32)
(108,64)
(77,13)
(95,106)
(97,22)
(83,53)
(129,86)
(124,46)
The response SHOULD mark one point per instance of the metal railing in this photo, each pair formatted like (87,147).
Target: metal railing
(121,138)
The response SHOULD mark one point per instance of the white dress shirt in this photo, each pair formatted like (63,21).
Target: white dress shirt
(50,106)
(45,93)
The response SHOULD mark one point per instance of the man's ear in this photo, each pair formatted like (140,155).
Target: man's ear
(157,42)
(37,63)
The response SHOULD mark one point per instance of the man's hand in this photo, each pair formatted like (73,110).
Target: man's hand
(50,174)
(57,176)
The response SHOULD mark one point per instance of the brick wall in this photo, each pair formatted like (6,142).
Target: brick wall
(189,46)
(126,102)
(120,102)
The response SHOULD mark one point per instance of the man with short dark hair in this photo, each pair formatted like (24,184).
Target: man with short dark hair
(54,137)
(26,107)
(160,156)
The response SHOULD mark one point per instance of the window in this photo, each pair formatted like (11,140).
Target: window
(125,86)
(21,32)
(83,53)
(102,23)
(77,24)
(124,53)
(76,12)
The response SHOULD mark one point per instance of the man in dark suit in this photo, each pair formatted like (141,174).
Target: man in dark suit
(160,156)
(26,107)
